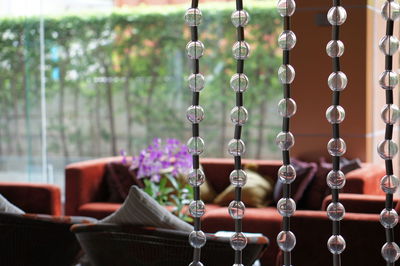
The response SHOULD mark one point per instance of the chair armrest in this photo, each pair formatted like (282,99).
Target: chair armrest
(33,198)
(365,180)
(359,203)
(83,183)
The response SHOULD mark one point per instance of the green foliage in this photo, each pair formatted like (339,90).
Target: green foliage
(117,80)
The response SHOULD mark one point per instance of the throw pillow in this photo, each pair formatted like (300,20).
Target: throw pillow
(142,210)
(8,207)
(256,193)
(305,173)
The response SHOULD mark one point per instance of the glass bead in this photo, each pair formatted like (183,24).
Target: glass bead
(389,218)
(390,113)
(286,241)
(389,45)
(197,239)
(193,17)
(336,244)
(196,263)
(195,114)
(286,207)
(335,211)
(337,81)
(337,15)
(195,146)
(388,80)
(239,115)
(236,147)
(336,179)
(387,149)
(286,8)
(196,82)
(236,209)
(239,82)
(238,178)
(284,140)
(197,208)
(390,183)
(287,174)
(196,177)
(336,147)
(287,40)
(390,252)
(335,48)
(195,49)
(390,10)
(287,107)
(335,114)
(241,50)
(286,74)
(238,241)
(240,18)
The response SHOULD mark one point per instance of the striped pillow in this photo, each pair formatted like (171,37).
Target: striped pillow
(8,207)
(142,210)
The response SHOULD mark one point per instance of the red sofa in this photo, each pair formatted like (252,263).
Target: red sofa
(85,195)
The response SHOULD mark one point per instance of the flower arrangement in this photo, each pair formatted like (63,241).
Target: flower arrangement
(163,167)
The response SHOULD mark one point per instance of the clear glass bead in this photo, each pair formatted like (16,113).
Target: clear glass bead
(286,8)
(240,18)
(335,114)
(336,147)
(337,81)
(286,74)
(335,211)
(239,82)
(287,174)
(197,208)
(390,252)
(238,241)
(196,177)
(387,149)
(390,183)
(389,45)
(238,178)
(239,115)
(236,209)
(336,244)
(286,207)
(335,48)
(337,15)
(195,114)
(389,218)
(287,40)
(284,140)
(236,147)
(241,50)
(197,239)
(193,17)
(388,80)
(390,113)
(195,146)
(196,82)
(336,179)
(287,107)
(195,49)
(286,241)
(196,263)
(390,10)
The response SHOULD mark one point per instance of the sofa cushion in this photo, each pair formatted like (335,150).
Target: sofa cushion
(142,210)
(8,207)
(98,210)
(256,193)
(305,173)
(119,180)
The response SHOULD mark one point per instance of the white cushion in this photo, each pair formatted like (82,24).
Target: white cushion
(142,210)
(8,207)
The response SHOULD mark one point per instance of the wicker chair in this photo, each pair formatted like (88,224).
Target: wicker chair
(37,240)
(107,245)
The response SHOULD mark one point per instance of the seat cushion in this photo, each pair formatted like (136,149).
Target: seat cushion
(98,210)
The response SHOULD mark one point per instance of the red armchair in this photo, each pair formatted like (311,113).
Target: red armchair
(33,198)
